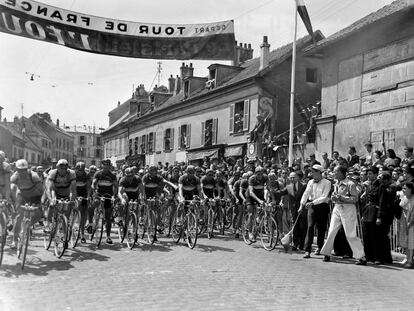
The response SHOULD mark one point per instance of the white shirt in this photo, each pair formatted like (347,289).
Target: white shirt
(317,193)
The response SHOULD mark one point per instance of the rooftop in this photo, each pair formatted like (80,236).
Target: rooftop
(388,10)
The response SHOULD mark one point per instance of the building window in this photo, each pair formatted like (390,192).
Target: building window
(98,140)
(209,132)
(184,135)
(33,158)
(143,143)
(379,137)
(82,140)
(239,116)
(169,139)
(97,153)
(151,142)
(38,159)
(311,75)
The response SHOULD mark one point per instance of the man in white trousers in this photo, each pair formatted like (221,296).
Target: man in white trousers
(344,213)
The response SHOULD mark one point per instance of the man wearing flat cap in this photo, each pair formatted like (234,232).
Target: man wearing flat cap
(315,199)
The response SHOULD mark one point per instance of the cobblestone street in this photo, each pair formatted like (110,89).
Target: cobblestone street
(219,274)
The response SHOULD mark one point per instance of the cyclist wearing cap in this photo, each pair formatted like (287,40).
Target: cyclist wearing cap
(5,173)
(222,185)
(130,186)
(258,194)
(154,183)
(189,185)
(105,184)
(83,189)
(61,182)
(208,184)
(26,187)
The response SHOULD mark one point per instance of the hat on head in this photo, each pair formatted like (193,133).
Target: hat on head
(317,167)
(54,160)
(22,164)
(312,155)
(63,162)
(368,143)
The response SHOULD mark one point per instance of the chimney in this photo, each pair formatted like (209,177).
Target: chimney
(171,86)
(186,71)
(57,122)
(119,103)
(177,88)
(264,54)
(242,53)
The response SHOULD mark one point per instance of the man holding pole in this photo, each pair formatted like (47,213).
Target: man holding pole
(344,214)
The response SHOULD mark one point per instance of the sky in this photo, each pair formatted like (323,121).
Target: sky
(80,88)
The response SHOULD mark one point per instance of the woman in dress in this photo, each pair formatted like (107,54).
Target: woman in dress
(407,223)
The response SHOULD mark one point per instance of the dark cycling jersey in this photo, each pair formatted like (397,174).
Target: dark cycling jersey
(82,181)
(189,183)
(131,186)
(209,186)
(152,185)
(105,182)
(258,185)
(61,183)
(222,184)
(174,180)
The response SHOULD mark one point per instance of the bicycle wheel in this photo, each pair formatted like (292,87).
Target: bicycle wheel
(220,220)
(3,234)
(268,233)
(61,236)
(228,218)
(176,228)
(121,230)
(166,220)
(75,228)
(151,227)
(97,233)
(24,242)
(245,229)
(191,230)
(49,234)
(131,230)
(210,223)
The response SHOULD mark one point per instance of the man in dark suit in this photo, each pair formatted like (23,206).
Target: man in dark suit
(294,191)
(352,157)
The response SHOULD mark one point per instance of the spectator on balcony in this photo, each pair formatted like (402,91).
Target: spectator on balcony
(408,156)
(352,157)
(369,154)
(326,163)
(391,159)
(377,158)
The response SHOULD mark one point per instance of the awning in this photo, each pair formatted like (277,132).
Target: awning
(199,155)
(233,151)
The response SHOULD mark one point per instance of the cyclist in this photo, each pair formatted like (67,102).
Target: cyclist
(26,187)
(130,186)
(209,188)
(188,187)
(258,194)
(153,187)
(5,173)
(92,171)
(234,189)
(104,184)
(83,189)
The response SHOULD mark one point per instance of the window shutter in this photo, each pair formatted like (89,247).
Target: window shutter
(172,139)
(154,136)
(214,131)
(188,135)
(163,143)
(246,111)
(203,133)
(179,137)
(231,120)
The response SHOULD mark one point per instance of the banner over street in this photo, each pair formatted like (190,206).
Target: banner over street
(89,33)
